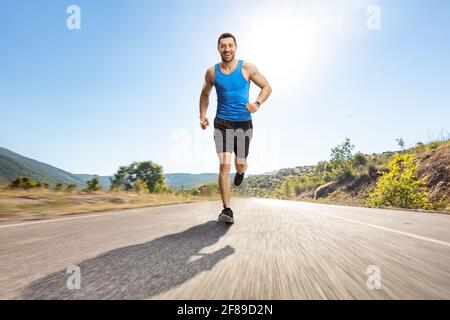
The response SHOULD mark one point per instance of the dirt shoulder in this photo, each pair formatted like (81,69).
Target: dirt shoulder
(43,204)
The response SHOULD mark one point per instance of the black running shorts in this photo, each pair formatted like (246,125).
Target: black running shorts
(231,136)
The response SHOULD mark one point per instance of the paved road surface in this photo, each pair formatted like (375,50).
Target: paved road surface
(275,250)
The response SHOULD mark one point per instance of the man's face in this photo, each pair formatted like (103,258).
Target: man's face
(227,49)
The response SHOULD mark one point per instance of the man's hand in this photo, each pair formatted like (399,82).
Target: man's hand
(204,122)
(252,107)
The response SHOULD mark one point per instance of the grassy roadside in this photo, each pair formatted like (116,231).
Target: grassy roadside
(43,204)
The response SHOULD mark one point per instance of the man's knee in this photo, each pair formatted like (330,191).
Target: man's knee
(225,168)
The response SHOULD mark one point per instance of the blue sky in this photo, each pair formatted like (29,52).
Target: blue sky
(125,86)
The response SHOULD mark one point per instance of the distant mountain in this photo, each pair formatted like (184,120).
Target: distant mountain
(188,180)
(174,180)
(13,165)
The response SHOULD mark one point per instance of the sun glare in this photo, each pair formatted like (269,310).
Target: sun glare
(290,43)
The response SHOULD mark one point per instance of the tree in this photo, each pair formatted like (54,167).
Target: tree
(93,184)
(122,180)
(342,152)
(400,142)
(341,160)
(147,171)
(400,186)
(152,174)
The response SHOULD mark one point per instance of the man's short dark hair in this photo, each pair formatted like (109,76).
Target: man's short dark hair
(226,35)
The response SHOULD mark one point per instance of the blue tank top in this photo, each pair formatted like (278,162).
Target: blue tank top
(232,94)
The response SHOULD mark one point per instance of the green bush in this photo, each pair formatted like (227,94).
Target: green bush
(433,145)
(59,186)
(209,189)
(93,184)
(344,172)
(399,186)
(297,185)
(420,147)
(359,159)
(287,188)
(324,171)
(27,183)
(71,187)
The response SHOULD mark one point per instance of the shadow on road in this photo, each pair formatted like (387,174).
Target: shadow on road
(138,271)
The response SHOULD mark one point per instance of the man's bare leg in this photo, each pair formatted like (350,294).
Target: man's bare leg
(224,177)
(241,167)
(240,164)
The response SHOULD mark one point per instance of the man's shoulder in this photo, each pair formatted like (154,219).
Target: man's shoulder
(211,73)
(249,68)
(247,65)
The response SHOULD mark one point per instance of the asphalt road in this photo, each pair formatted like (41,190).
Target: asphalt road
(275,250)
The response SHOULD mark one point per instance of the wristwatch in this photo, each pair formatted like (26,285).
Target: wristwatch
(258,103)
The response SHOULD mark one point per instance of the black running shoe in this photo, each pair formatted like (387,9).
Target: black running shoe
(238,178)
(226,215)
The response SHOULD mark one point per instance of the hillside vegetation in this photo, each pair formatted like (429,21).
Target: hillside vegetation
(416,178)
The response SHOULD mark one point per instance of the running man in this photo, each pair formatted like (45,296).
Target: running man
(233,122)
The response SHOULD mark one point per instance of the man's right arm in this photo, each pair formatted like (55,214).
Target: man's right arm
(204,97)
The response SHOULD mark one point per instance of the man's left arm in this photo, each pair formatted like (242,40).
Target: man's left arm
(260,81)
